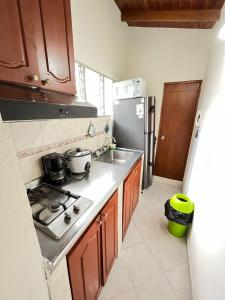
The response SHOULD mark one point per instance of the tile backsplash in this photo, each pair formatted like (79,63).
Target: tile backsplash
(33,139)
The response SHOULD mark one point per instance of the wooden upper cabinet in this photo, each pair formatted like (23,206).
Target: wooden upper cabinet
(57,64)
(84,262)
(18,56)
(37,44)
(109,217)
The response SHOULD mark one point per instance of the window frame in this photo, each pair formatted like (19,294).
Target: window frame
(101,78)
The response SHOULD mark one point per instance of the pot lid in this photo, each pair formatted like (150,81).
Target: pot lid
(78,152)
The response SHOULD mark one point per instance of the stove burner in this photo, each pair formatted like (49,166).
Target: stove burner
(54,206)
(55,210)
(36,195)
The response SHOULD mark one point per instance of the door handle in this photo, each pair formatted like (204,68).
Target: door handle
(162,138)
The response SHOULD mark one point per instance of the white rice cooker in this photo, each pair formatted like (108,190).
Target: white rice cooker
(79,160)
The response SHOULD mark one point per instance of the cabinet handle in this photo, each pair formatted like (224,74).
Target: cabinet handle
(46,81)
(99,222)
(34,77)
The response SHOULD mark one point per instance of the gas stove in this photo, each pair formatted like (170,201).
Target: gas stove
(55,210)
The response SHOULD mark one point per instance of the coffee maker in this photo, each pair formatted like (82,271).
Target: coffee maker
(55,168)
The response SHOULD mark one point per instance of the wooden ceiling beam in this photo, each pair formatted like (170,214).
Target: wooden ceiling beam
(206,15)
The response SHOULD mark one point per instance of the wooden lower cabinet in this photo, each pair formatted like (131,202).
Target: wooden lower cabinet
(131,192)
(127,203)
(109,217)
(84,262)
(91,259)
(136,184)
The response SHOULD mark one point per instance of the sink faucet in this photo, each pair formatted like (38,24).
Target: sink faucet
(103,149)
(113,139)
(110,137)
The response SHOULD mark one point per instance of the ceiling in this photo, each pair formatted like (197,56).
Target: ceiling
(199,14)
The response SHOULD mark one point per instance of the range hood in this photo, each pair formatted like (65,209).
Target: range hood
(19,103)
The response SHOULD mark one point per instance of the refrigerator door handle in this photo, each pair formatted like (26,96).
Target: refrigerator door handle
(146,161)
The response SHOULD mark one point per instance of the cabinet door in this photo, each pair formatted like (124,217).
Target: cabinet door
(57,61)
(131,195)
(18,31)
(84,262)
(127,203)
(136,184)
(109,217)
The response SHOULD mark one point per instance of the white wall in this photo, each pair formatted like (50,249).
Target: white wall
(21,271)
(159,55)
(165,55)
(100,39)
(204,182)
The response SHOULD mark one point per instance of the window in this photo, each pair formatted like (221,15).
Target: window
(95,88)
(108,96)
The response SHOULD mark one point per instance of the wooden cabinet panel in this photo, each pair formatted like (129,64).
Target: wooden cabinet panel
(91,260)
(57,71)
(136,184)
(84,262)
(109,217)
(37,44)
(127,203)
(18,59)
(131,195)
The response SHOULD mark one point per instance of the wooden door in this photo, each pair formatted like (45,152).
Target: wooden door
(136,185)
(18,33)
(178,111)
(127,203)
(109,217)
(56,57)
(84,263)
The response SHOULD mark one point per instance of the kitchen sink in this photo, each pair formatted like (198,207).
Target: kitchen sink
(115,156)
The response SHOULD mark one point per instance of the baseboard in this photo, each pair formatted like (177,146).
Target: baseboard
(190,270)
(167,181)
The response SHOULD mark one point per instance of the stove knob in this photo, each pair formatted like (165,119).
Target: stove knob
(76,209)
(67,218)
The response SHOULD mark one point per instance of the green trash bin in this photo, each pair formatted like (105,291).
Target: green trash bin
(184,208)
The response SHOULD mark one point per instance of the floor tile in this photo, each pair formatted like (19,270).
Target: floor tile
(179,278)
(154,204)
(129,295)
(140,211)
(168,251)
(152,261)
(132,237)
(151,225)
(140,263)
(118,281)
(156,289)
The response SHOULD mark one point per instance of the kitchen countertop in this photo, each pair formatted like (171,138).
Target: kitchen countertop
(101,183)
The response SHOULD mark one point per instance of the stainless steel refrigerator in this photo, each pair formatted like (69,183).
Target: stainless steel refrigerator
(134,128)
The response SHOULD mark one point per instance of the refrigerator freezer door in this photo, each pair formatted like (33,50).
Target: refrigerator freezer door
(129,123)
(134,129)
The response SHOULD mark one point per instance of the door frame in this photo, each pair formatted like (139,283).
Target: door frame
(200,81)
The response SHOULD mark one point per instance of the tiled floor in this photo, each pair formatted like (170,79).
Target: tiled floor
(152,264)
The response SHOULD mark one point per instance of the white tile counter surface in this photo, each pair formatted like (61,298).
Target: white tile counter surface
(102,182)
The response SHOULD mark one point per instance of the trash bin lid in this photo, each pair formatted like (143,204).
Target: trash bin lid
(182,203)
